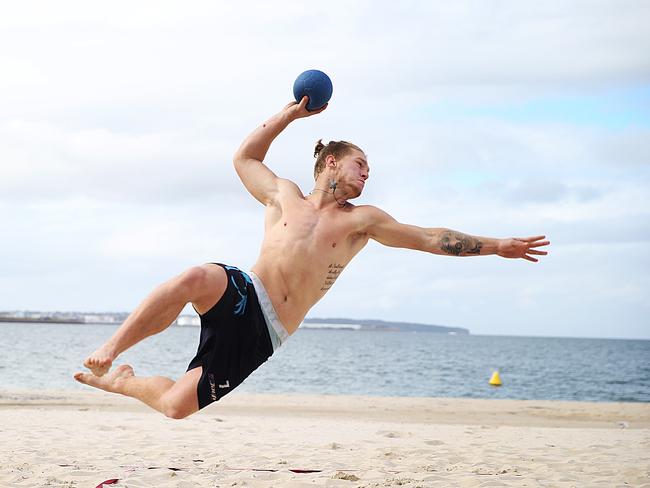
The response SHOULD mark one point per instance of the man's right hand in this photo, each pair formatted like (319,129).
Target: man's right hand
(298,110)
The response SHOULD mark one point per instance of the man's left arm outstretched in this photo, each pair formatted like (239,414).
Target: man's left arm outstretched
(386,230)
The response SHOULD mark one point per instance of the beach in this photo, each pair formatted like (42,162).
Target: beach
(81,439)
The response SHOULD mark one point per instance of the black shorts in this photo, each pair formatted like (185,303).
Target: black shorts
(235,339)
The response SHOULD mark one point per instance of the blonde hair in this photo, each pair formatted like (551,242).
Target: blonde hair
(338,149)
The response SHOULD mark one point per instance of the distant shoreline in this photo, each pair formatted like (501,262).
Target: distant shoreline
(47,320)
(308,326)
(194,321)
(382,325)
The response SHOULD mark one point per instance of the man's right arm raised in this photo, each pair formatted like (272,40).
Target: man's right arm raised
(258,179)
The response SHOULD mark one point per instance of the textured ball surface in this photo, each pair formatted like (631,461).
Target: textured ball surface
(316,85)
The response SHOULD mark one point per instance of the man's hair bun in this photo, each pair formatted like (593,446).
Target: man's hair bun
(319,147)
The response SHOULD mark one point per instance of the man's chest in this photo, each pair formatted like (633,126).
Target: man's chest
(325,231)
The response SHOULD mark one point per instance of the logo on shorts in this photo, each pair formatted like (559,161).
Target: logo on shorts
(213,384)
(225,385)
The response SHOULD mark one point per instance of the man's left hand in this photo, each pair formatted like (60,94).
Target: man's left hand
(522,247)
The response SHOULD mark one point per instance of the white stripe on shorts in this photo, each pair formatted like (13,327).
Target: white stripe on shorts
(277,331)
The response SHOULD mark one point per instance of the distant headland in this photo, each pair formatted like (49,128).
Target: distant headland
(380,325)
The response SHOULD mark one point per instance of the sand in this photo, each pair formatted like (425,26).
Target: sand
(80,439)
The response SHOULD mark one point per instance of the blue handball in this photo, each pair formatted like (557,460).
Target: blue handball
(316,85)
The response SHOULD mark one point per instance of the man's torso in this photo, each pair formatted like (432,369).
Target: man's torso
(304,250)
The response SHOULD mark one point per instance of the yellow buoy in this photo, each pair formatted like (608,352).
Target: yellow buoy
(496,379)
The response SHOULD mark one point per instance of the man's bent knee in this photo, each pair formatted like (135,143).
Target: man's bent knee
(198,281)
(204,285)
(175,410)
(192,280)
(176,414)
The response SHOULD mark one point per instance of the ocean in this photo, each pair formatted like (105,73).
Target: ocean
(344,362)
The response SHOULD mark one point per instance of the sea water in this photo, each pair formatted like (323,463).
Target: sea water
(343,362)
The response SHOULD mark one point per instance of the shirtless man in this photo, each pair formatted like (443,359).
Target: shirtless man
(308,241)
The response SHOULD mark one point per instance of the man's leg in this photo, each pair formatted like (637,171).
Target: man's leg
(175,399)
(201,285)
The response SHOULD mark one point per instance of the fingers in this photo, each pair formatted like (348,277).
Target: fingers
(299,109)
(535,252)
(530,239)
(533,241)
(317,111)
(538,244)
(539,253)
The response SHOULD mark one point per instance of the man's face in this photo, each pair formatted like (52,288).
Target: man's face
(353,173)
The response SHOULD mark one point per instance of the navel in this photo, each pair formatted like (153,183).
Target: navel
(333,244)
(285,224)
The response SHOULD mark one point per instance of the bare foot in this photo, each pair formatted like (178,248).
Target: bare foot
(100,361)
(110,382)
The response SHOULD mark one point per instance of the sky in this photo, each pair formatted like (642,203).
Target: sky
(118,122)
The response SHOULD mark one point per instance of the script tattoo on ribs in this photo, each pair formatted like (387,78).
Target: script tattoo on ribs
(458,244)
(333,272)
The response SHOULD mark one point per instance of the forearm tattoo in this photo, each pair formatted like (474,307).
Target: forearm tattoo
(333,272)
(458,244)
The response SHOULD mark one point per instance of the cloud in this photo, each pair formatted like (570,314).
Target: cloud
(46,162)
(543,191)
(74,56)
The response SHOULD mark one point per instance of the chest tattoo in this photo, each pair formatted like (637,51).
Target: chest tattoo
(333,272)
